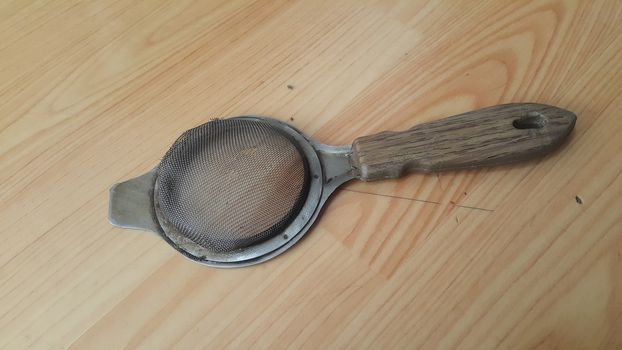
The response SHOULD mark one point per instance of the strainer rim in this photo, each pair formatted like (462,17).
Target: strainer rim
(272,246)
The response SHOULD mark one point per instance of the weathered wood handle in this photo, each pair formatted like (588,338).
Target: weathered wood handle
(490,136)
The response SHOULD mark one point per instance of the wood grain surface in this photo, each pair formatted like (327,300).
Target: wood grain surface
(518,257)
(490,136)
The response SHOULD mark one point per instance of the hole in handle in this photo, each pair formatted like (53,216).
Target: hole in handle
(530,121)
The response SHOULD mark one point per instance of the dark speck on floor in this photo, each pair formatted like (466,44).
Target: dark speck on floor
(578,199)
(291,87)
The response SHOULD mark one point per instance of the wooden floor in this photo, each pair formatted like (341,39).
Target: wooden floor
(517,257)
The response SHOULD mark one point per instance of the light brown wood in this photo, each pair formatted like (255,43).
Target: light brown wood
(486,137)
(92,93)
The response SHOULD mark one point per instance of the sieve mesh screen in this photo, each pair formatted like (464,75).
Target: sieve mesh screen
(229,184)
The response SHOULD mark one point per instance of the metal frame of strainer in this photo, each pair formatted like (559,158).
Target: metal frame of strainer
(133,203)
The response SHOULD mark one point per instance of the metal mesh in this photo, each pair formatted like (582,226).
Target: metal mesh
(231,183)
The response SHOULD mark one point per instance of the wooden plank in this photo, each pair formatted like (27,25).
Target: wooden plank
(521,256)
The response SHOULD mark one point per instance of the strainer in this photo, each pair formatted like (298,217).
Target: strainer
(239,191)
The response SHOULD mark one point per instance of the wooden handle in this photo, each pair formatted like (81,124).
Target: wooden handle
(490,136)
